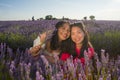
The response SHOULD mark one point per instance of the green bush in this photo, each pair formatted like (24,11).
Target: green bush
(17,40)
(110,41)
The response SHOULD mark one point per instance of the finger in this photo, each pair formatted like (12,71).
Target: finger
(37,47)
(40,35)
(45,34)
(35,50)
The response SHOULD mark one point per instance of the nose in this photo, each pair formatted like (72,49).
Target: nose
(76,35)
(65,31)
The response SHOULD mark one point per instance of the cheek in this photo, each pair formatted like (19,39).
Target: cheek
(68,34)
(73,37)
(59,33)
(83,35)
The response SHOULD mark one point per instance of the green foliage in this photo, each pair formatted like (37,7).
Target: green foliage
(48,17)
(33,18)
(110,41)
(17,40)
(85,18)
(2,37)
(92,17)
(4,73)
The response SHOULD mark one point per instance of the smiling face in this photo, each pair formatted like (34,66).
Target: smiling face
(77,35)
(64,32)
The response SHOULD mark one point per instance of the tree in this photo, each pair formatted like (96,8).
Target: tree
(48,17)
(54,18)
(63,18)
(92,17)
(85,18)
(41,18)
(33,18)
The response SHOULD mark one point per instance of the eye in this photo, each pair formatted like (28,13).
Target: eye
(63,28)
(79,31)
(68,30)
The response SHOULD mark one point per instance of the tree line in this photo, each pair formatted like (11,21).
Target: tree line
(50,17)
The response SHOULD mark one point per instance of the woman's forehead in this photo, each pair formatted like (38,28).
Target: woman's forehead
(65,25)
(73,29)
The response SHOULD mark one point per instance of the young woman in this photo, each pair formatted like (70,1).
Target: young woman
(54,45)
(79,42)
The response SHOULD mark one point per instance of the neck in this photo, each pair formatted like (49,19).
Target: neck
(78,46)
(59,40)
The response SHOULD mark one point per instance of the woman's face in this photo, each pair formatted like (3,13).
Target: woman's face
(64,32)
(77,35)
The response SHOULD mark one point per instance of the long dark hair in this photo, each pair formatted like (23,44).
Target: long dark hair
(85,42)
(54,43)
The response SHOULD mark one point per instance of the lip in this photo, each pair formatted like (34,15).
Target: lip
(64,35)
(77,40)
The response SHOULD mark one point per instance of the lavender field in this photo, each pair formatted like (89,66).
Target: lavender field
(20,34)
(16,37)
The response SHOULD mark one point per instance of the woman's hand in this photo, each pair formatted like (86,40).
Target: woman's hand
(42,37)
(34,50)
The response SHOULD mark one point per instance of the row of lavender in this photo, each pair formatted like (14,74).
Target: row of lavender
(22,66)
(28,27)
(25,27)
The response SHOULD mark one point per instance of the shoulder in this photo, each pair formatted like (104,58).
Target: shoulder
(90,45)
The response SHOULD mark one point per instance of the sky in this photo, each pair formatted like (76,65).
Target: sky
(73,9)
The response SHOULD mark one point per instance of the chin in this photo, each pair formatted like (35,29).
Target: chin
(64,38)
(77,42)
